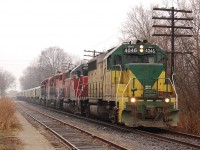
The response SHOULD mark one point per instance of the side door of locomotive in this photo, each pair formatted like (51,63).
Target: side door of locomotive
(107,80)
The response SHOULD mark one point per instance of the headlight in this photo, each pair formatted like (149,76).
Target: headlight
(141,46)
(133,100)
(167,100)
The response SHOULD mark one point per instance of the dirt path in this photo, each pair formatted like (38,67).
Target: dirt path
(31,137)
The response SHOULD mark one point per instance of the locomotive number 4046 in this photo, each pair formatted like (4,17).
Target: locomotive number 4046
(130,50)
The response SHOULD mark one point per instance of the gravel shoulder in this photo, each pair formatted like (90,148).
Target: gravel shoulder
(30,137)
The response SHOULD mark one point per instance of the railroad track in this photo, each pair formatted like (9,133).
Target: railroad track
(74,137)
(186,140)
(183,138)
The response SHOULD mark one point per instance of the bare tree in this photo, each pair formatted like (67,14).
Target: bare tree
(139,26)
(31,77)
(52,59)
(6,81)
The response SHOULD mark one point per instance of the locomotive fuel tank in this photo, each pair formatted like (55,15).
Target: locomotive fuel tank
(98,109)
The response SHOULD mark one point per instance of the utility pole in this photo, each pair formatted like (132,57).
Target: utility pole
(172,18)
(95,53)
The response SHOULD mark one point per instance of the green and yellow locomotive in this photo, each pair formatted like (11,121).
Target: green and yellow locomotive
(128,85)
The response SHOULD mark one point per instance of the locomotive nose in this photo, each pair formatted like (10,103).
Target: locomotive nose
(146,73)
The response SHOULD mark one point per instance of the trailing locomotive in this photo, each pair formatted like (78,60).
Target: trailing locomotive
(126,85)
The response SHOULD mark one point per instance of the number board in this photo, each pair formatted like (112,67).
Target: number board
(133,50)
(150,50)
(130,50)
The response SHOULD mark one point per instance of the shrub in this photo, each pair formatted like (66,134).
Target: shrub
(7,111)
(190,121)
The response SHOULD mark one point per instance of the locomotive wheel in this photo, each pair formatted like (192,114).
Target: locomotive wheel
(113,116)
(57,104)
(45,102)
(114,120)
(61,104)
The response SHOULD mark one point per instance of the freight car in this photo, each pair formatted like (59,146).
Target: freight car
(127,84)
(30,95)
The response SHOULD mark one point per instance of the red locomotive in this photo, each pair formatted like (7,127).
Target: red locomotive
(66,90)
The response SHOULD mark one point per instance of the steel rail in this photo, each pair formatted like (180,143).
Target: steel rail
(110,144)
(166,139)
(184,134)
(56,134)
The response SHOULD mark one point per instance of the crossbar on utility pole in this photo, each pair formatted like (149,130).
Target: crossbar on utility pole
(170,18)
(175,10)
(177,35)
(94,53)
(165,26)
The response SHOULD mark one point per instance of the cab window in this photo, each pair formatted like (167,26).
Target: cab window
(78,74)
(147,59)
(139,59)
(108,63)
(117,60)
(131,59)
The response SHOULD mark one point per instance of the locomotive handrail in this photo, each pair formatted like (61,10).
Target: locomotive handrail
(118,65)
(77,88)
(126,87)
(173,85)
(83,85)
(174,88)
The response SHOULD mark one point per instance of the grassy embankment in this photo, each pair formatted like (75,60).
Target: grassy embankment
(8,125)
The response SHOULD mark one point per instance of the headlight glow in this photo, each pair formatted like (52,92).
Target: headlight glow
(167,100)
(141,46)
(133,100)
(141,50)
